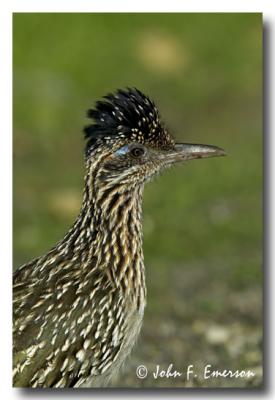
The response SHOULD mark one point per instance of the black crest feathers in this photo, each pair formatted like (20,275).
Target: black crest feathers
(127,115)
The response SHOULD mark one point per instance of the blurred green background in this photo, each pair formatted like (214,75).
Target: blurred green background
(202,221)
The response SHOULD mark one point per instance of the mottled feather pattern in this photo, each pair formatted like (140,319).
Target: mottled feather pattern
(78,309)
(87,292)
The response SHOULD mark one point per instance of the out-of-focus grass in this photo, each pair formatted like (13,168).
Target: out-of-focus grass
(205,73)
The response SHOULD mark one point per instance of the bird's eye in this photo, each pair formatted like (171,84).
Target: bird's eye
(137,152)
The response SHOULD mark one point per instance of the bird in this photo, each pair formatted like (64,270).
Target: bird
(78,309)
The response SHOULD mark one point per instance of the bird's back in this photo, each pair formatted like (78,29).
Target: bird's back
(70,332)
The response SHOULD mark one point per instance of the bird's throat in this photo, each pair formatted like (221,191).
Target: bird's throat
(108,235)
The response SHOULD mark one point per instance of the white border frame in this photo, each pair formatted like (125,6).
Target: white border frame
(6,10)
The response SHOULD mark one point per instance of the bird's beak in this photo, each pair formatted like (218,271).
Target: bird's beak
(190,151)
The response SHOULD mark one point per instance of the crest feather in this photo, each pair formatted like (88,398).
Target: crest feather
(129,115)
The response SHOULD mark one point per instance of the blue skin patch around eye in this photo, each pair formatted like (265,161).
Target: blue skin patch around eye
(123,150)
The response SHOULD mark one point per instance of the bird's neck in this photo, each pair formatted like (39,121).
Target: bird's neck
(108,235)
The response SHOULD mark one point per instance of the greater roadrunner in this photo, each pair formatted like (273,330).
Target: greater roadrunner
(78,309)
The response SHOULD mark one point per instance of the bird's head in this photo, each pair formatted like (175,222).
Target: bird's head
(127,144)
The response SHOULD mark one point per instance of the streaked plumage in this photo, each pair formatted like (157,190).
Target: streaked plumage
(78,309)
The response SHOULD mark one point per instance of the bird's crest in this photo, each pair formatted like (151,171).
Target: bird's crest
(128,115)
